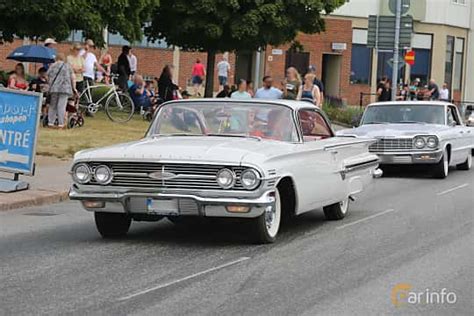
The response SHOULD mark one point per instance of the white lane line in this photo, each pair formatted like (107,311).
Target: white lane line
(366,218)
(161,286)
(453,189)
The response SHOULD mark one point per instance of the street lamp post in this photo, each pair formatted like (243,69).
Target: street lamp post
(396,51)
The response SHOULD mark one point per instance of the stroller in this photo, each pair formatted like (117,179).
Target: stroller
(74,118)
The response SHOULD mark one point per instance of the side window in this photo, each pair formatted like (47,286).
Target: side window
(313,125)
(452,116)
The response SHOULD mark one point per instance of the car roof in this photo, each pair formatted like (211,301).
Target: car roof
(434,103)
(295,105)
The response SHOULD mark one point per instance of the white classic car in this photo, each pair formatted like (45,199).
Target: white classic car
(257,160)
(417,132)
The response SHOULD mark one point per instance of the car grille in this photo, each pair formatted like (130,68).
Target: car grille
(392,144)
(187,176)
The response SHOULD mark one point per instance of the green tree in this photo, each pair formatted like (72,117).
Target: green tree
(229,25)
(57,18)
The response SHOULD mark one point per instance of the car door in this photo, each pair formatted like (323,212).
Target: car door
(460,136)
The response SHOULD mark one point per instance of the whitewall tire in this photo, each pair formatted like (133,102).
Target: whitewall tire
(441,169)
(467,164)
(267,225)
(337,211)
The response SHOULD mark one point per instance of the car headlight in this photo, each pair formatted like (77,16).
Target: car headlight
(250,179)
(432,142)
(420,143)
(103,175)
(82,173)
(225,178)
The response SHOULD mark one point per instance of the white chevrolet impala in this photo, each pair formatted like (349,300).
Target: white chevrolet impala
(256,160)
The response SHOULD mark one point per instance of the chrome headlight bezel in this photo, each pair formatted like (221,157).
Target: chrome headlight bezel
(227,174)
(434,142)
(109,175)
(87,171)
(254,174)
(419,142)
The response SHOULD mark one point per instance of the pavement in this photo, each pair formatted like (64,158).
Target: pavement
(409,229)
(50,184)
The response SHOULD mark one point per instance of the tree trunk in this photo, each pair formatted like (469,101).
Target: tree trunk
(211,61)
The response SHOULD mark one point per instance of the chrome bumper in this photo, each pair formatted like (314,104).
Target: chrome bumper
(135,203)
(409,158)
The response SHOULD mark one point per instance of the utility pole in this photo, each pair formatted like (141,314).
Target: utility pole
(396,50)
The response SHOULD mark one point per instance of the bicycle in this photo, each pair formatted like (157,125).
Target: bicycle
(119,107)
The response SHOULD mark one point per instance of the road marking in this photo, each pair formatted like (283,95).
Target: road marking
(161,286)
(453,189)
(366,218)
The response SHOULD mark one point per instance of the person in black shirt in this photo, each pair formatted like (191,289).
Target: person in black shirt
(433,90)
(123,67)
(385,92)
(225,93)
(166,88)
(40,83)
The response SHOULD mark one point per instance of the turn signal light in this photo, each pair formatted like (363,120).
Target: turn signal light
(237,209)
(93,204)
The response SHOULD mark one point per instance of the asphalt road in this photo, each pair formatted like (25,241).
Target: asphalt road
(407,229)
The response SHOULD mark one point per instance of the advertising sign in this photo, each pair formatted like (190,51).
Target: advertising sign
(19,120)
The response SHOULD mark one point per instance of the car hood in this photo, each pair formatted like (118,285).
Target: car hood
(209,149)
(393,130)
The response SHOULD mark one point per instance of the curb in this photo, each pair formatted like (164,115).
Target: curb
(34,198)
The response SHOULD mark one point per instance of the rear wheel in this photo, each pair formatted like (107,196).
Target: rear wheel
(112,225)
(267,225)
(467,164)
(336,211)
(119,107)
(441,169)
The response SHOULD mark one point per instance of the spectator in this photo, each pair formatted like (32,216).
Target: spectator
(141,97)
(444,93)
(61,87)
(385,93)
(90,63)
(77,63)
(319,83)
(225,93)
(241,93)
(414,88)
(132,60)
(106,63)
(166,88)
(40,83)
(309,91)
(123,67)
(223,69)
(433,90)
(291,84)
(250,88)
(17,79)
(268,92)
(50,43)
(185,95)
(198,75)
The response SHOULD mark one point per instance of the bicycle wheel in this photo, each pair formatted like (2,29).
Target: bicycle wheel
(119,107)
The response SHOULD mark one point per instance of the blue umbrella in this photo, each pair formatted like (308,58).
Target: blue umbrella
(33,54)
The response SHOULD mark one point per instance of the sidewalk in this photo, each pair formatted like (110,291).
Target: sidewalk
(50,185)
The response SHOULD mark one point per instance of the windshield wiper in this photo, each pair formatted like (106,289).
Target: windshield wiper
(177,134)
(234,135)
(375,123)
(410,122)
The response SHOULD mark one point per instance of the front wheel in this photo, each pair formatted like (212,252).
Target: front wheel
(336,211)
(112,225)
(467,164)
(267,225)
(441,169)
(119,107)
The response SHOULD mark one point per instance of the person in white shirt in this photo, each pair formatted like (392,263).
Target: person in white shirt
(90,63)
(223,69)
(132,60)
(268,92)
(444,92)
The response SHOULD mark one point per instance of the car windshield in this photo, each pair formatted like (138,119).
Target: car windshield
(403,113)
(226,119)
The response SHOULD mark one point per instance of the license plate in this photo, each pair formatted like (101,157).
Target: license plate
(162,207)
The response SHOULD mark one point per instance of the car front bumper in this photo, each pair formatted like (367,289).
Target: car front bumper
(184,204)
(409,158)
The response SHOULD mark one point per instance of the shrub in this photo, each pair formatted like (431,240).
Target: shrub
(346,115)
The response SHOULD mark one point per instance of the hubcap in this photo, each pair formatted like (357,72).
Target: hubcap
(273,216)
(469,161)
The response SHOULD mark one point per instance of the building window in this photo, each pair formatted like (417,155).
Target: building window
(421,68)
(458,64)
(361,64)
(385,63)
(448,68)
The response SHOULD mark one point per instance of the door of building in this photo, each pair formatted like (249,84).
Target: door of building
(331,74)
(299,60)
(243,65)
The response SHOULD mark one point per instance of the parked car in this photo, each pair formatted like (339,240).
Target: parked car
(417,132)
(256,160)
